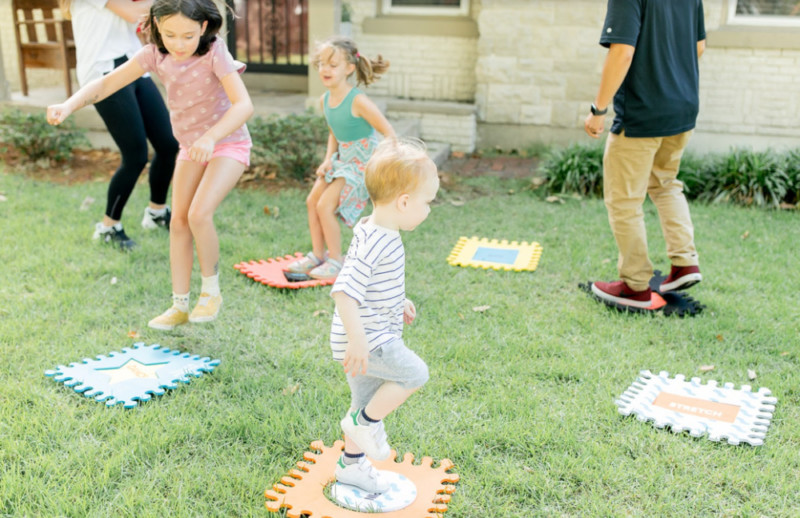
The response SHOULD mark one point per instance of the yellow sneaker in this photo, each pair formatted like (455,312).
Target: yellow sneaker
(169,320)
(206,309)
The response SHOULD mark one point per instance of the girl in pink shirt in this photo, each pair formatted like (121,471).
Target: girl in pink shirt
(208,106)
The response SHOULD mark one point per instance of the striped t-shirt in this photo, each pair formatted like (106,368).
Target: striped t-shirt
(374,275)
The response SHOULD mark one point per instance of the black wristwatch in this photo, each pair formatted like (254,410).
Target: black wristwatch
(595,111)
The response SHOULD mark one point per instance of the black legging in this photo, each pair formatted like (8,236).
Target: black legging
(133,116)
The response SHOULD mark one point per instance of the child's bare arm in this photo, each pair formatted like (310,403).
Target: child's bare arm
(364,107)
(409,312)
(356,355)
(95,91)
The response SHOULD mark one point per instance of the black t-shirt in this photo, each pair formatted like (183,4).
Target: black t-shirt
(660,94)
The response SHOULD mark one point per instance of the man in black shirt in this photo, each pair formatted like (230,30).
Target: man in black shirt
(651,72)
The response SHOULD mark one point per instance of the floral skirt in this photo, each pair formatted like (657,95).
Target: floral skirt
(349,162)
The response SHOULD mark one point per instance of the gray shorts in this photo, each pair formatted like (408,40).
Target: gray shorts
(392,361)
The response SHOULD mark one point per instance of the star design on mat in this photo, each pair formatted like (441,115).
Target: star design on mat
(132,369)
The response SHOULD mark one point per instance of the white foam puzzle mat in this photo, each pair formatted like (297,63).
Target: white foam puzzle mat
(721,413)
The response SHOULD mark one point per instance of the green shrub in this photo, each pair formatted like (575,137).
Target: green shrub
(792,168)
(31,135)
(289,146)
(748,178)
(577,168)
(694,171)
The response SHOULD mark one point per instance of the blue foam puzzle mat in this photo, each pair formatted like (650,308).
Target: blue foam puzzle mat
(133,375)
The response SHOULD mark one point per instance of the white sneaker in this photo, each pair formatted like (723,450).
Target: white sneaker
(370,438)
(363,475)
(149,221)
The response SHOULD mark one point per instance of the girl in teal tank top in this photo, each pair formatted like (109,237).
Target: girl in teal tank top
(339,192)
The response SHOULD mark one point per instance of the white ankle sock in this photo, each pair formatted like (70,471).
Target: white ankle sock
(181,301)
(211,285)
(157,212)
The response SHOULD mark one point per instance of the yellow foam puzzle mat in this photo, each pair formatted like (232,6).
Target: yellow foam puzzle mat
(494,254)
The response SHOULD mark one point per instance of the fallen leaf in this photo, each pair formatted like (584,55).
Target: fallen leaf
(276,212)
(457,154)
(320,312)
(461,316)
(538,181)
(266,210)
(606,261)
(751,374)
(785,353)
(133,334)
(86,203)
(746,234)
(457,202)
(527,469)
(113,280)
(3,197)
(720,338)
(787,206)
(480,309)
(511,191)
(291,389)
(553,199)
(706,368)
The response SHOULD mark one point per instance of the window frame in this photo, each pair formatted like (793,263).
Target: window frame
(462,10)
(749,20)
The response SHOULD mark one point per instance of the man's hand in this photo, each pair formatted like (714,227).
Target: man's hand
(594,125)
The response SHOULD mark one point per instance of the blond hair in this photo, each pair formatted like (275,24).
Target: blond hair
(397,167)
(367,70)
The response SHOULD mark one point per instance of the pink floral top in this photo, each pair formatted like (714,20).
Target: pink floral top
(195,97)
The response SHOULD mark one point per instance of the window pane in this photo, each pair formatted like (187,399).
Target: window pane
(768,7)
(425,3)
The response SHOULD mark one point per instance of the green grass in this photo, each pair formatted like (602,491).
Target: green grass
(521,396)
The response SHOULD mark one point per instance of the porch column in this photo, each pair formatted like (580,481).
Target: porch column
(323,21)
(5,91)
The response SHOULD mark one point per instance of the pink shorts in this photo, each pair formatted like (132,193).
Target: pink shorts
(239,151)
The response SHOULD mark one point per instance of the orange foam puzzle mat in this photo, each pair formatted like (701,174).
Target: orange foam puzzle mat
(302,492)
(496,255)
(270,272)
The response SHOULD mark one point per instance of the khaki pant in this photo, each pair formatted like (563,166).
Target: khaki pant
(633,168)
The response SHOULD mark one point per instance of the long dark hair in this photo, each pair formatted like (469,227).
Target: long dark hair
(197,10)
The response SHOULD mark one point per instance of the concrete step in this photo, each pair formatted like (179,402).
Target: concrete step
(439,152)
(406,127)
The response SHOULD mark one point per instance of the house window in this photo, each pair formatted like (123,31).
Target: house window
(427,7)
(764,12)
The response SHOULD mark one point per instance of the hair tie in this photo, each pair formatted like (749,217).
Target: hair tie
(358,55)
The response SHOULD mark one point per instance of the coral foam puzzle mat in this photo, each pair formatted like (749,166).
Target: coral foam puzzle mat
(738,416)
(302,492)
(671,302)
(270,272)
(494,254)
(133,375)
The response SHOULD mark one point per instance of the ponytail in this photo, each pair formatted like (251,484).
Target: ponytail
(367,70)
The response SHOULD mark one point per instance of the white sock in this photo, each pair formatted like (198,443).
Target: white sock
(211,285)
(157,212)
(103,229)
(180,301)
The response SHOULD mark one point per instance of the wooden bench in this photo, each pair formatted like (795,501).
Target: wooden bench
(43,41)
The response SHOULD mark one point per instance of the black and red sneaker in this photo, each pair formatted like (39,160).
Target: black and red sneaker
(680,278)
(619,293)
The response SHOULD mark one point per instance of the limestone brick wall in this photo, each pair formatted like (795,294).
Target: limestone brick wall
(422,66)
(539,65)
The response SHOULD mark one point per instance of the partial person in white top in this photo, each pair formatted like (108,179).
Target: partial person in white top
(371,307)
(105,38)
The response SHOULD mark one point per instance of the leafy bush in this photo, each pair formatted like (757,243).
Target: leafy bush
(31,135)
(747,178)
(288,146)
(694,171)
(792,168)
(577,168)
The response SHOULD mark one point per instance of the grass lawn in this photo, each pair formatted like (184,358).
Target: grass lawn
(521,396)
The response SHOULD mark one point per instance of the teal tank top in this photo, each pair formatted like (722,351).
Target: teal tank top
(345,127)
